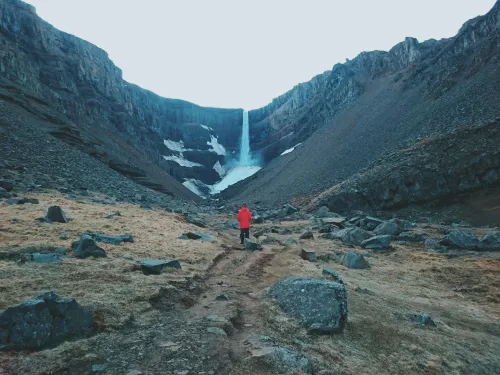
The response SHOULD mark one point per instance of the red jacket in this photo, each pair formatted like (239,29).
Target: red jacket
(244,217)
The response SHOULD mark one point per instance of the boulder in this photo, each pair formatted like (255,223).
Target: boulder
(257,219)
(323,211)
(327,228)
(320,305)
(377,242)
(268,240)
(354,261)
(411,237)
(260,233)
(285,231)
(155,266)
(460,239)
(422,319)
(86,247)
(387,227)
(198,236)
(291,241)
(309,255)
(370,223)
(252,245)
(56,215)
(46,258)
(490,241)
(6,185)
(307,235)
(289,209)
(232,224)
(112,239)
(403,224)
(283,360)
(350,236)
(433,245)
(332,275)
(44,321)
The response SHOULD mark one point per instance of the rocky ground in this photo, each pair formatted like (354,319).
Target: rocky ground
(218,314)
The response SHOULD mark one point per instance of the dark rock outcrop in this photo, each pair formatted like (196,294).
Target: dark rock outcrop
(86,247)
(309,255)
(44,321)
(460,239)
(354,260)
(320,305)
(56,214)
(490,241)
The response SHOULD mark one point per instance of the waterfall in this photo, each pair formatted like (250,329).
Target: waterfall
(245,158)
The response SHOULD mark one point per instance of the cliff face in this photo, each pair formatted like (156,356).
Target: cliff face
(294,116)
(74,83)
(375,103)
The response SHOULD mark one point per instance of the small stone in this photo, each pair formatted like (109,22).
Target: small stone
(291,241)
(112,215)
(309,255)
(222,297)
(252,245)
(63,237)
(198,236)
(423,319)
(46,258)
(431,244)
(307,236)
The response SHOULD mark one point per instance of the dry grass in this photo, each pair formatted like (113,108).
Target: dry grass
(108,284)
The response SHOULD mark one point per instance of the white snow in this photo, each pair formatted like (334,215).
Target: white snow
(233,176)
(216,146)
(206,127)
(182,162)
(192,184)
(219,169)
(174,146)
(290,149)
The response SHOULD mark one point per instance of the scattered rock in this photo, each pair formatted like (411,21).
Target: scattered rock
(12,201)
(98,368)
(56,215)
(490,241)
(351,236)
(260,233)
(112,215)
(252,245)
(6,185)
(404,225)
(460,239)
(370,223)
(309,255)
(307,236)
(332,275)
(325,372)
(286,231)
(355,261)
(289,209)
(291,241)
(387,228)
(44,321)
(198,236)
(86,247)
(431,244)
(111,239)
(322,211)
(63,237)
(232,224)
(377,242)
(257,219)
(155,266)
(183,237)
(217,331)
(411,237)
(222,297)
(283,360)
(4,194)
(46,258)
(423,319)
(319,304)
(268,240)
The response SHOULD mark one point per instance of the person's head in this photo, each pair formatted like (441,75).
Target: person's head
(244,205)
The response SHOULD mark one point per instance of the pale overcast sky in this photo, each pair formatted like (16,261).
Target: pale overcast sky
(242,54)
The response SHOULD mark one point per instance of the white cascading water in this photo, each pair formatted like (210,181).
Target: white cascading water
(245,157)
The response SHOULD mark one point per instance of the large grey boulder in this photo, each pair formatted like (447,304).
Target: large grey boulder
(44,321)
(86,247)
(282,360)
(156,266)
(354,261)
(351,236)
(320,305)
(370,223)
(387,227)
(433,245)
(490,241)
(289,209)
(377,242)
(309,255)
(460,239)
(56,215)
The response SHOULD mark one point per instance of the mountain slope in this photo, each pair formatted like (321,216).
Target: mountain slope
(373,104)
(74,87)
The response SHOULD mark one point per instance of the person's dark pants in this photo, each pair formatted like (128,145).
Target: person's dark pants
(244,233)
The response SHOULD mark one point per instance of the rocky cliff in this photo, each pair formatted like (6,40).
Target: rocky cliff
(375,103)
(77,88)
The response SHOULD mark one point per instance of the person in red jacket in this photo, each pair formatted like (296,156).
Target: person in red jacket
(244,218)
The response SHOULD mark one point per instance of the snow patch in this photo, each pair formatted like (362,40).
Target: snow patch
(233,176)
(219,169)
(174,146)
(182,162)
(216,146)
(207,127)
(192,184)
(290,149)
